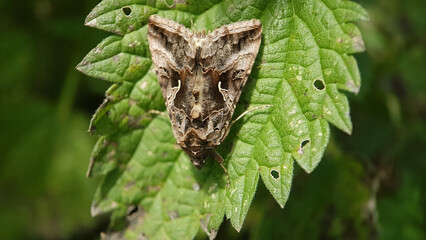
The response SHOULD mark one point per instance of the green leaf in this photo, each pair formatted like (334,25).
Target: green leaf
(302,65)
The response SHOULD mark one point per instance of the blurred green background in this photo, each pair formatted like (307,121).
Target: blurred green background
(370,185)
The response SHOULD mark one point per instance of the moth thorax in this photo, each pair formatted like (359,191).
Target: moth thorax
(199,39)
(196,111)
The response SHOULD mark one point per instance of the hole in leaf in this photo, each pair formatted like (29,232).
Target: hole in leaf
(303,144)
(275,174)
(127,11)
(132,210)
(318,84)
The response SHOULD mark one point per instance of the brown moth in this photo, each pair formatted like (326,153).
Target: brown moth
(201,78)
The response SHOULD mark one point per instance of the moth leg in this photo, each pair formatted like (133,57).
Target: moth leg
(249,111)
(158,112)
(89,170)
(220,160)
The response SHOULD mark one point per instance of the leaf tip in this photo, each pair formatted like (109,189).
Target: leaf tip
(348,130)
(364,15)
(282,201)
(308,169)
(80,66)
(358,43)
(204,222)
(352,86)
(91,23)
(237,222)
(349,127)
(238,228)
(95,210)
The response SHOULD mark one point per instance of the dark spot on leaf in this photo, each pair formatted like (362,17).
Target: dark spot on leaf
(196,187)
(173,215)
(318,84)
(275,174)
(133,102)
(116,58)
(134,122)
(142,236)
(111,156)
(129,184)
(153,188)
(211,188)
(127,11)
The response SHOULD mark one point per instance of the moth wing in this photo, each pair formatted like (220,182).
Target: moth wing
(171,49)
(173,54)
(230,43)
(231,51)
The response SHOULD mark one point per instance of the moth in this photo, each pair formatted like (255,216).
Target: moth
(201,77)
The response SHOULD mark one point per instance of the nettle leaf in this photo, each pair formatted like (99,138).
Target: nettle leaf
(149,184)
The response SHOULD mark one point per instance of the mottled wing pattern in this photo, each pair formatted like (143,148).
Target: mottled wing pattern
(230,52)
(201,78)
(172,53)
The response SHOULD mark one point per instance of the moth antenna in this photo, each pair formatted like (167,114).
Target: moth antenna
(242,115)
(249,111)
(220,160)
